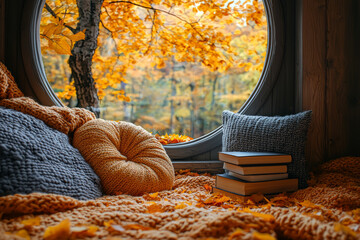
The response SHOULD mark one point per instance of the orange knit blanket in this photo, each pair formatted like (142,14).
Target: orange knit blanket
(188,211)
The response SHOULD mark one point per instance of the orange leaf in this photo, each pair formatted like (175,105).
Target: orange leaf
(49,29)
(309,204)
(83,231)
(60,46)
(207,187)
(237,233)
(180,206)
(338,227)
(31,222)
(137,227)
(24,234)
(223,199)
(153,208)
(58,232)
(266,217)
(154,195)
(263,236)
(77,37)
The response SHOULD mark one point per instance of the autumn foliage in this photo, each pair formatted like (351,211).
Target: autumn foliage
(170,66)
(172,138)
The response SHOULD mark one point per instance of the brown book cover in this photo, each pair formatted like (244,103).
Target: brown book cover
(238,186)
(255,169)
(259,177)
(246,158)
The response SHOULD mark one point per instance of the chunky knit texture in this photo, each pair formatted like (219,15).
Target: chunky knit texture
(285,134)
(8,86)
(127,158)
(183,213)
(37,158)
(64,119)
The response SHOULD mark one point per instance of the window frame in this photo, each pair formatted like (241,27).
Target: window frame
(32,58)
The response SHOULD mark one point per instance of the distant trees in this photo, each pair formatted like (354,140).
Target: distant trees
(167,65)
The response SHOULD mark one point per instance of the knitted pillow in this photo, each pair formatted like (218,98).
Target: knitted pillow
(37,158)
(286,134)
(127,158)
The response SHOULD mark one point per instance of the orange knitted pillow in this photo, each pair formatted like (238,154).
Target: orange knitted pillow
(126,157)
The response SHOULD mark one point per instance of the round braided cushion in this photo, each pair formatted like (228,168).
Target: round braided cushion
(126,157)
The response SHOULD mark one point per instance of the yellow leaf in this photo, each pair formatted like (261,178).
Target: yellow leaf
(24,234)
(137,227)
(60,46)
(49,29)
(160,63)
(338,227)
(266,217)
(223,199)
(180,206)
(58,232)
(32,221)
(153,208)
(309,204)
(263,236)
(83,231)
(238,232)
(77,37)
(154,195)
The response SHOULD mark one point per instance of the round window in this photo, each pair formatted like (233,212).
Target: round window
(171,67)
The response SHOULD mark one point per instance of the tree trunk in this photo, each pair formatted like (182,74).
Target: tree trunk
(82,53)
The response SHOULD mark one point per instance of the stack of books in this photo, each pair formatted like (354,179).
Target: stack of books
(248,173)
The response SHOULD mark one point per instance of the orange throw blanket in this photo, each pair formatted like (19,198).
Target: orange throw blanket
(188,211)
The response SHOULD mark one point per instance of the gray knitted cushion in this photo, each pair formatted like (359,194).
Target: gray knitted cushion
(37,158)
(286,134)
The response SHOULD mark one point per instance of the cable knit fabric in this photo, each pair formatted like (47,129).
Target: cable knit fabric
(282,134)
(8,86)
(63,119)
(37,158)
(126,157)
(189,211)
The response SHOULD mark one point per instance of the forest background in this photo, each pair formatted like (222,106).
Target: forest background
(170,66)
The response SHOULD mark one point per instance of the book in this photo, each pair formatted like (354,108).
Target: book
(246,158)
(255,169)
(238,186)
(259,177)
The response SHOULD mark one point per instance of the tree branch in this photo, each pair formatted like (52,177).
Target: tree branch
(48,8)
(164,11)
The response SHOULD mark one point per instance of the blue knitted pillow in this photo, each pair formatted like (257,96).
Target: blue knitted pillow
(282,134)
(37,158)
